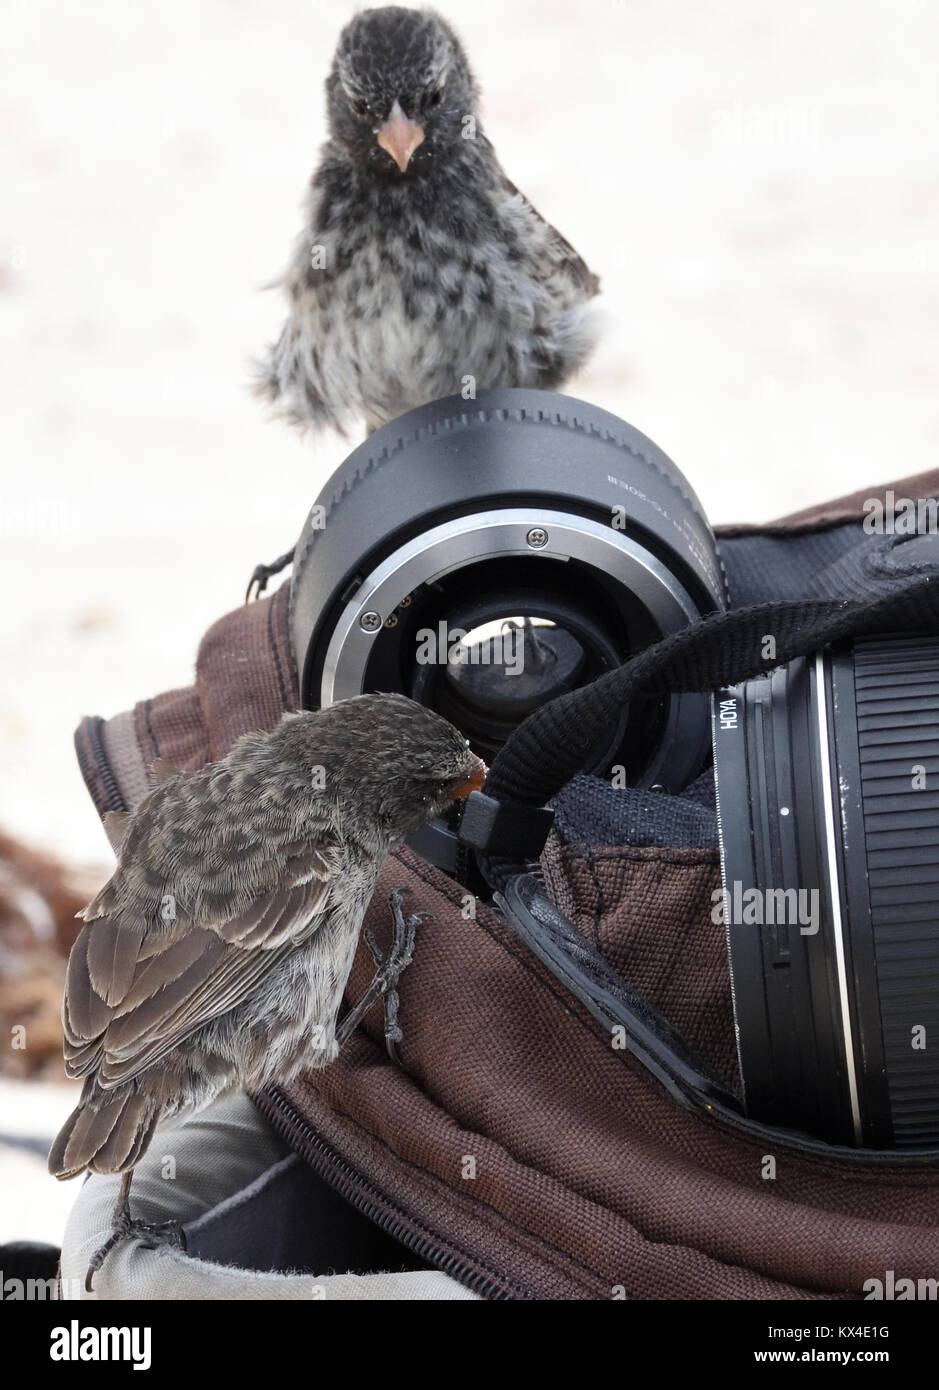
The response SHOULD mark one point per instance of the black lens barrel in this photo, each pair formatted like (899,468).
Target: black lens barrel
(827,775)
(896,685)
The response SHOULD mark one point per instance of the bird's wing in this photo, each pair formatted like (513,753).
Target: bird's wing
(306,373)
(557,254)
(133,993)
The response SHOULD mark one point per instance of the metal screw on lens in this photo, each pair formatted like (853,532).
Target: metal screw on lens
(537,538)
(370,622)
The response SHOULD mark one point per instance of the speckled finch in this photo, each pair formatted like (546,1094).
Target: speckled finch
(421,270)
(217,954)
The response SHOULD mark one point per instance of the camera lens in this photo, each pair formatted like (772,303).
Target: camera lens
(830,892)
(485,556)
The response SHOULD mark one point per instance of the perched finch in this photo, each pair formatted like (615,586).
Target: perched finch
(217,954)
(420,265)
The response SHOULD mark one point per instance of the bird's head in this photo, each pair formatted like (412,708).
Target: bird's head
(399,91)
(385,763)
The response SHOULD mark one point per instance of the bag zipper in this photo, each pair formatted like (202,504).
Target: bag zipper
(287,1121)
(114,800)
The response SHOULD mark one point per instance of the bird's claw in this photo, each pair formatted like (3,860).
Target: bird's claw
(262,573)
(390,965)
(150,1234)
(388,968)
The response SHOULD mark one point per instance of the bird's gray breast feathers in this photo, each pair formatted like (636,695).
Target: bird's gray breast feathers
(398,301)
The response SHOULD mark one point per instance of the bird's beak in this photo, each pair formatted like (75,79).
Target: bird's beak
(474,781)
(400,137)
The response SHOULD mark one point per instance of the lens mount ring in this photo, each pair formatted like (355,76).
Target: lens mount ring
(472,540)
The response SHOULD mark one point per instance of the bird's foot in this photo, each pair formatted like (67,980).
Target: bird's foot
(388,968)
(262,573)
(390,965)
(126,1227)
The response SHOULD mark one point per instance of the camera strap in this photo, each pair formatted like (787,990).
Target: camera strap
(553,744)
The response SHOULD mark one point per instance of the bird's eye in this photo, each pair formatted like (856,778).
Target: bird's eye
(359,106)
(434,98)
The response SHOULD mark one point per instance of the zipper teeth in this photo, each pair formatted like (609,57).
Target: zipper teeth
(116,801)
(349,1184)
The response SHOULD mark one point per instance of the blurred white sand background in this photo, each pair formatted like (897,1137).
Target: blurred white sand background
(756,183)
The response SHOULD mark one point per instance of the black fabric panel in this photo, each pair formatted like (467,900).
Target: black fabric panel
(702,790)
(841,562)
(763,567)
(589,811)
(290,1221)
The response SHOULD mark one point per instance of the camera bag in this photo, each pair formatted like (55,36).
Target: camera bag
(530,1144)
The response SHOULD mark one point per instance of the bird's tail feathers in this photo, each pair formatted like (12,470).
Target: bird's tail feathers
(107,1132)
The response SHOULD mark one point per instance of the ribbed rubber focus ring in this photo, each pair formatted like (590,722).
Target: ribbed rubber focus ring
(897,689)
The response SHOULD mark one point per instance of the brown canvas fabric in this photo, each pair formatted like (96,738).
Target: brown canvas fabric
(626,901)
(587,1176)
(588,1180)
(245,680)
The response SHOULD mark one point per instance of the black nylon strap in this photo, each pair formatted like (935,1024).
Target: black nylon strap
(551,746)
(519,831)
